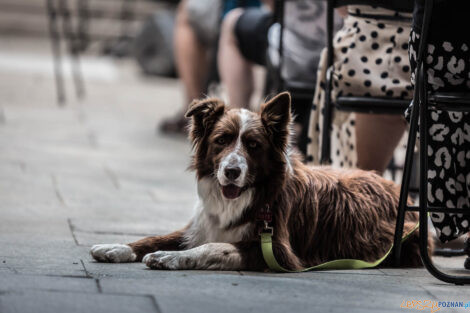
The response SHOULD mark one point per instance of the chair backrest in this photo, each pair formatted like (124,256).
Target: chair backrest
(405,6)
(397,5)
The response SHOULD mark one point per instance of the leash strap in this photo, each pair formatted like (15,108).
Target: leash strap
(343,264)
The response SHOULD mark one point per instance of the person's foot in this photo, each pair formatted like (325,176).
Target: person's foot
(176,125)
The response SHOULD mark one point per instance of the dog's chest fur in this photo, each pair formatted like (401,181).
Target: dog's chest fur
(214,213)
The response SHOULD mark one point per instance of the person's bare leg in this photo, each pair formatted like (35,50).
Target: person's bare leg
(191,64)
(190,55)
(235,71)
(377,136)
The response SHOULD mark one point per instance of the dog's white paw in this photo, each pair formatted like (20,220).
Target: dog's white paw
(165,260)
(113,253)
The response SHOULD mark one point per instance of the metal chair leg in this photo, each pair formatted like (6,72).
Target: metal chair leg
(404,189)
(327,118)
(73,48)
(57,56)
(325,157)
(83,38)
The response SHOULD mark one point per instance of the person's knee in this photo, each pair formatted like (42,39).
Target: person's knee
(182,13)
(229,22)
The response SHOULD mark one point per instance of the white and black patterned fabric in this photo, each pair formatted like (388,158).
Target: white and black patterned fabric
(370,60)
(447,65)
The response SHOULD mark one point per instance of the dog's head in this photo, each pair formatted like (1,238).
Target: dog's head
(237,147)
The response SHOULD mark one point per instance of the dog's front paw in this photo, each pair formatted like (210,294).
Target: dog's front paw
(164,260)
(113,253)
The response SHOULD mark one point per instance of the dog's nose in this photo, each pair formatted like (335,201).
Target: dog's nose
(232,173)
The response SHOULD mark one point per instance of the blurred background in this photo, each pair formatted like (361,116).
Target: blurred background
(75,50)
(69,47)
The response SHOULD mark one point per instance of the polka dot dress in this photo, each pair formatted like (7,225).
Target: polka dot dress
(370,60)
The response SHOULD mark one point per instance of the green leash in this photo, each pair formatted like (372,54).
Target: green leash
(343,264)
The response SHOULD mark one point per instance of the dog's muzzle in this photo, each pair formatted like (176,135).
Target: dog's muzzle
(232,174)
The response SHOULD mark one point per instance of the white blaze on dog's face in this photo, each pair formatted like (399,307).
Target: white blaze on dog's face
(237,147)
(235,144)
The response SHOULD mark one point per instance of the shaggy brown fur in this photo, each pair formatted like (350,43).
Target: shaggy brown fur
(319,213)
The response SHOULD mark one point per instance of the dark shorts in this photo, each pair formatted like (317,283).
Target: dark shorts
(251,31)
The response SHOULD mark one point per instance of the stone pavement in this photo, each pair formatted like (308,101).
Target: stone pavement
(96,172)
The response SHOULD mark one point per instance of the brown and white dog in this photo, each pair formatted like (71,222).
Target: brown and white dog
(244,163)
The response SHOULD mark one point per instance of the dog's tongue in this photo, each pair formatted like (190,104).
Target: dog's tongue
(231,191)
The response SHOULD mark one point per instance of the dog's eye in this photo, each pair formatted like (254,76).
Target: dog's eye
(221,141)
(252,144)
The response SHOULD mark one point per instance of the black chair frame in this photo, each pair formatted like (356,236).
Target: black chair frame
(76,42)
(372,105)
(302,97)
(423,102)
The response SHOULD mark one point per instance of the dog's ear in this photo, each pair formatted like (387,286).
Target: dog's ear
(204,114)
(276,118)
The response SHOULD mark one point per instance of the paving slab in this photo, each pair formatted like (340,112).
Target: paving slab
(41,255)
(14,283)
(209,292)
(74,302)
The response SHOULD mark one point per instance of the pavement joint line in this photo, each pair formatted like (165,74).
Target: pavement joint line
(125,294)
(151,297)
(23,291)
(386,274)
(12,269)
(98,285)
(57,191)
(100,275)
(85,293)
(72,231)
(86,271)
(63,276)
(155,303)
(112,176)
(99,232)
(429,292)
(82,245)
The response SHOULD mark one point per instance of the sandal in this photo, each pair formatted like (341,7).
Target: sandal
(176,125)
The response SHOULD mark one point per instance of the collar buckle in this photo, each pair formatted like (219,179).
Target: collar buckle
(266,229)
(265,214)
